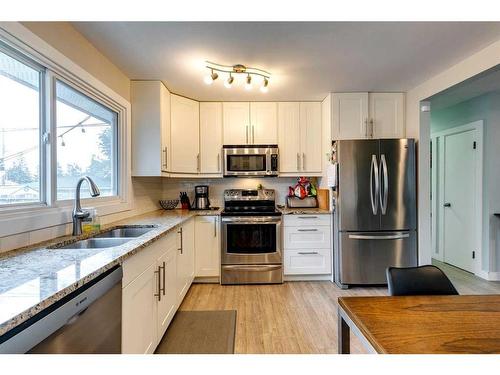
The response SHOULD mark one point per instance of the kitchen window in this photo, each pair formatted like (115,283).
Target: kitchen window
(86,143)
(21,99)
(57,123)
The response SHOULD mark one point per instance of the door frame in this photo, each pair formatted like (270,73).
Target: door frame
(437,209)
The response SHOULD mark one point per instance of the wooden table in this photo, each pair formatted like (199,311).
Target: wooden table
(421,324)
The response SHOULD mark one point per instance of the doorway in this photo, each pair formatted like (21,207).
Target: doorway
(457,194)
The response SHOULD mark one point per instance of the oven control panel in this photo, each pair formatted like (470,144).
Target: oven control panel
(249,194)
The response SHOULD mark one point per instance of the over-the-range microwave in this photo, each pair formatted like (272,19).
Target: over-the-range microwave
(251,160)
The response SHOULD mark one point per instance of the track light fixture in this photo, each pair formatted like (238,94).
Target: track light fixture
(264,87)
(229,81)
(237,69)
(211,78)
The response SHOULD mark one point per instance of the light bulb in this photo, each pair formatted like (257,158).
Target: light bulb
(264,87)
(248,84)
(62,142)
(210,78)
(229,81)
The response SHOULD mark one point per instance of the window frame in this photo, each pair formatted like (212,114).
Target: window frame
(20,218)
(42,128)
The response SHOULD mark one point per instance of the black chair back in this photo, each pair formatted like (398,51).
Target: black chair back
(423,280)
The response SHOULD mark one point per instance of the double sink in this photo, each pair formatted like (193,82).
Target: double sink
(111,238)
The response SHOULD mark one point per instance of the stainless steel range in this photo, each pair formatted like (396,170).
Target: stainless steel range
(251,238)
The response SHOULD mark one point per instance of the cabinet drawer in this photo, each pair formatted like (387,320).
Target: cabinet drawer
(307,219)
(308,262)
(307,237)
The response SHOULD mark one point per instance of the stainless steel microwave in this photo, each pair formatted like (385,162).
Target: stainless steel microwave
(251,161)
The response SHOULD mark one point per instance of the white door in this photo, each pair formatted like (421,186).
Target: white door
(263,123)
(139,314)
(211,138)
(387,115)
(459,199)
(310,134)
(289,136)
(165,128)
(350,115)
(236,123)
(185,127)
(207,245)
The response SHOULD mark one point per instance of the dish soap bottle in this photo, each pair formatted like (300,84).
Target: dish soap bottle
(91,223)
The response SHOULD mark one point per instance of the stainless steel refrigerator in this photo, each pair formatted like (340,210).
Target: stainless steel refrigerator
(375,209)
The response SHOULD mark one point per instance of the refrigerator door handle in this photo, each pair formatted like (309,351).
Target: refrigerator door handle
(374,176)
(399,236)
(385,179)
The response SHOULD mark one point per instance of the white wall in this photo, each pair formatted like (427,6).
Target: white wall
(486,108)
(420,130)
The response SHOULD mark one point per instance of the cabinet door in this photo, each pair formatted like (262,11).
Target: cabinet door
(185,259)
(387,115)
(263,123)
(289,136)
(139,314)
(147,119)
(207,246)
(167,303)
(185,117)
(236,123)
(165,128)
(211,137)
(350,116)
(310,134)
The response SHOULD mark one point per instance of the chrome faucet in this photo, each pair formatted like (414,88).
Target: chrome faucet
(78,213)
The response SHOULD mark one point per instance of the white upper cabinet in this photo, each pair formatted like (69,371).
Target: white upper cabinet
(211,138)
(263,123)
(368,115)
(350,115)
(387,115)
(250,123)
(310,136)
(236,123)
(299,141)
(289,137)
(185,128)
(150,128)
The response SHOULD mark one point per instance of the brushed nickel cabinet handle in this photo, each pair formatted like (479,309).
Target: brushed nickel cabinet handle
(253,135)
(165,164)
(307,217)
(218,162)
(308,253)
(247,132)
(307,230)
(298,161)
(215,226)
(303,161)
(159,285)
(180,248)
(366,128)
(372,123)
(163,278)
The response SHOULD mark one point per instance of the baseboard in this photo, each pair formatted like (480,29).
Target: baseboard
(490,276)
(307,277)
(207,280)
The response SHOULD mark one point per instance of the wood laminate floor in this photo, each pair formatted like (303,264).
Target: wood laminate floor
(298,317)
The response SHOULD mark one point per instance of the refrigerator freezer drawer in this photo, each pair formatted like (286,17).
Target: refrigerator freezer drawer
(364,256)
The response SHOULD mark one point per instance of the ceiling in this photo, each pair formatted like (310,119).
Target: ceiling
(307,59)
(481,84)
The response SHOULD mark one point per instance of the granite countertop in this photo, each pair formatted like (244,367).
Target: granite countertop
(33,278)
(303,211)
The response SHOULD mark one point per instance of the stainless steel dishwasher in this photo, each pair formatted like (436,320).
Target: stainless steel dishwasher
(86,321)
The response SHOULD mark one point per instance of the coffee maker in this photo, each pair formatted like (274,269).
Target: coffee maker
(201,201)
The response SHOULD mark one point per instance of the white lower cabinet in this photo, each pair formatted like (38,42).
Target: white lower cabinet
(139,314)
(154,284)
(207,245)
(307,245)
(185,259)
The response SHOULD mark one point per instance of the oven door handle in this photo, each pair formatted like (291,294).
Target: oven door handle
(253,220)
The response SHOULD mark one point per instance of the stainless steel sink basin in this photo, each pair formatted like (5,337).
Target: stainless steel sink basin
(124,232)
(96,243)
